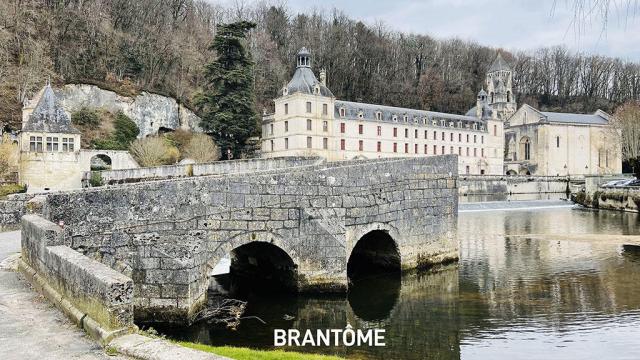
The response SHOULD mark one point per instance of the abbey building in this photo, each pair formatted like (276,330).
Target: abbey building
(309,120)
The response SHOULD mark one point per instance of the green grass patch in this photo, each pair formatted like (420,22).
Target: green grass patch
(240,353)
(8,189)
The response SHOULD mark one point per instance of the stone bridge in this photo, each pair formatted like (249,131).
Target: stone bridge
(309,227)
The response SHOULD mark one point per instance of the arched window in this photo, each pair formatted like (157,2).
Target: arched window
(525,148)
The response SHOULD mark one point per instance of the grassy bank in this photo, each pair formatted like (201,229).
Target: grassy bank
(250,354)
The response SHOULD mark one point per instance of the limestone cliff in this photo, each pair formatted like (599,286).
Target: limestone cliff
(149,111)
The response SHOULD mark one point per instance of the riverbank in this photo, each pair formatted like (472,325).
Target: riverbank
(240,353)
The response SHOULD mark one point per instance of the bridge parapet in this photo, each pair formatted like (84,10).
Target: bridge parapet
(167,235)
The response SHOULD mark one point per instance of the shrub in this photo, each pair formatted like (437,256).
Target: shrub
(201,149)
(153,151)
(179,138)
(85,117)
(96,179)
(125,130)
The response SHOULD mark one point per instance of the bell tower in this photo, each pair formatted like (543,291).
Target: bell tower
(499,84)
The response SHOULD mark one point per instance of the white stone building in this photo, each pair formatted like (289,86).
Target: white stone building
(49,145)
(309,120)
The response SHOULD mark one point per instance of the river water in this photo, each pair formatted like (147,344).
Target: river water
(511,296)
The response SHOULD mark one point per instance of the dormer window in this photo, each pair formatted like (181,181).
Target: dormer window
(434,123)
(342,112)
(378,115)
(395,118)
(415,120)
(451,124)
(405,118)
(285,91)
(360,114)
(316,89)
(475,126)
(441,122)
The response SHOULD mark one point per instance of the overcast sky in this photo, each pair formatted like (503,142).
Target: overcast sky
(510,24)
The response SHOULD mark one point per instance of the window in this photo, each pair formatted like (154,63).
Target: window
(379,147)
(342,112)
(467,167)
(467,137)
(342,145)
(406,133)
(286,109)
(495,130)
(442,150)
(435,135)
(395,132)
(482,152)
(50,143)
(271,145)
(286,143)
(415,133)
(405,118)
(475,139)
(557,141)
(35,143)
(467,151)
(325,143)
(309,125)
(395,147)
(360,114)
(342,128)
(67,144)
(325,109)
(460,150)
(378,115)
(527,150)
(425,148)
(406,148)
(451,150)
(451,137)
(308,106)
(459,137)
(360,145)
(435,150)
(309,142)
(379,130)
(425,134)
(270,129)
(482,139)
(286,126)
(475,152)
(442,136)
(415,148)
(360,129)
(325,126)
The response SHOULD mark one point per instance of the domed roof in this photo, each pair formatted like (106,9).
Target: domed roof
(304,80)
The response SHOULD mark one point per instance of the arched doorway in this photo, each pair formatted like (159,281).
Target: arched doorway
(100,162)
(261,268)
(375,253)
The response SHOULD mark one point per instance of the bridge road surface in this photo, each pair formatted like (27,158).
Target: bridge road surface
(32,328)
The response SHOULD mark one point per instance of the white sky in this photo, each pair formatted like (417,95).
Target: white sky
(510,24)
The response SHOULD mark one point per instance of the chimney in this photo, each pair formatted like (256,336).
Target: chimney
(323,77)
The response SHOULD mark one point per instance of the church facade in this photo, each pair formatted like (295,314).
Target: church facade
(494,137)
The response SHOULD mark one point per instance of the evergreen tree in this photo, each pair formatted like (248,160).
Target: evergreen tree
(227,103)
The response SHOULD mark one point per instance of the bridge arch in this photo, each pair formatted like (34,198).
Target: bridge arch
(375,251)
(258,262)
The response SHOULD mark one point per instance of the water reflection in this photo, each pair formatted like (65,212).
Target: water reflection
(513,295)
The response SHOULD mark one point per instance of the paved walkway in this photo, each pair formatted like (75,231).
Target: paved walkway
(32,328)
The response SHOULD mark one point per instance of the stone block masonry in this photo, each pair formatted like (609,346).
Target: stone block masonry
(168,235)
(94,296)
(11,210)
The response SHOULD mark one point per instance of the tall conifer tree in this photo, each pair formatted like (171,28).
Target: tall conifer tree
(227,103)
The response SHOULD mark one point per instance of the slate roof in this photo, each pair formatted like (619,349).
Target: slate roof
(49,116)
(499,64)
(353,109)
(597,118)
(303,81)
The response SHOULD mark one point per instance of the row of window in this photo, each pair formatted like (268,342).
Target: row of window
(343,146)
(52,144)
(423,120)
(325,108)
(415,134)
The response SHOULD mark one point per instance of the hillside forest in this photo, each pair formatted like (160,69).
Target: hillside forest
(162,46)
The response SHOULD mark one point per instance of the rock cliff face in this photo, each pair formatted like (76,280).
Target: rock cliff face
(149,111)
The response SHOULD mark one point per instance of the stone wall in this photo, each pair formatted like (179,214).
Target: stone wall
(168,235)
(11,210)
(490,184)
(620,199)
(110,177)
(149,111)
(93,295)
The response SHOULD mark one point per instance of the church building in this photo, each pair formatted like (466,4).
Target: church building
(494,137)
